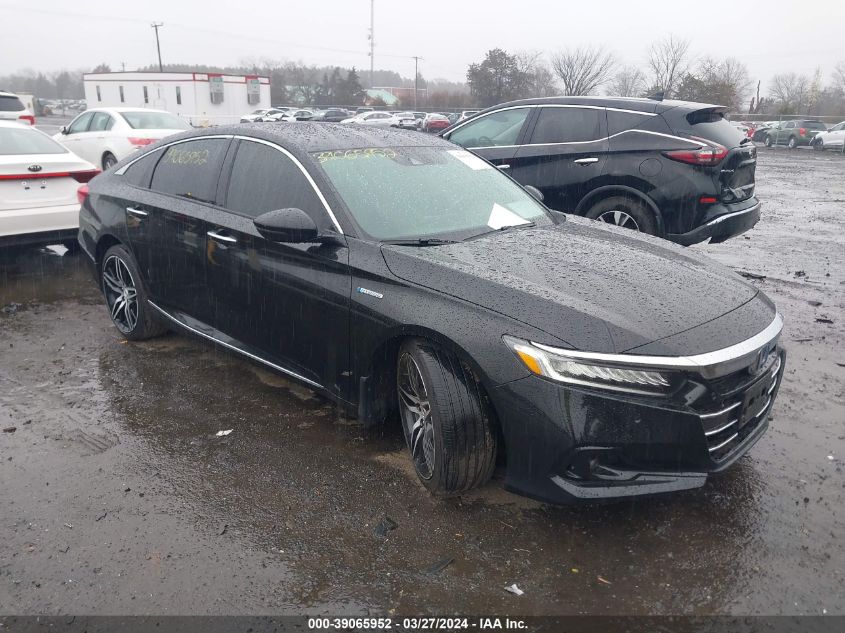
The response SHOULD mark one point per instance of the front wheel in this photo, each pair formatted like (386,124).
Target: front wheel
(446,418)
(624,212)
(818,146)
(792,143)
(126,297)
(769,142)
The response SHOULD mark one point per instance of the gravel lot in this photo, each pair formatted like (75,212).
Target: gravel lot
(115,496)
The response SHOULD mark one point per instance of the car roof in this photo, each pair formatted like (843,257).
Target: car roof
(124,109)
(622,103)
(305,137)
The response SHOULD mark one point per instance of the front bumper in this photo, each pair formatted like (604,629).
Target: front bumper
(566,444)
(727,222)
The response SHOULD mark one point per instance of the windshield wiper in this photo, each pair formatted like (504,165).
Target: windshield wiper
(423,241)
(527,225)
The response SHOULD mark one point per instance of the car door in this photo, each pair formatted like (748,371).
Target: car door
(288,303)
(95,139)
(494,136)
(166,224)
(74,135)
(785,132)
(564,154)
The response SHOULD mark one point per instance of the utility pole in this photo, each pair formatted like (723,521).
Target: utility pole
(372,38)
(156,26)
(416,78)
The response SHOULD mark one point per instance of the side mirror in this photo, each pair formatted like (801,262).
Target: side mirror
(536,193)
(63,129)
(287,225)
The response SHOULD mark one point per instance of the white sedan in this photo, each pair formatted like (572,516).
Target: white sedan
(103,136)
(377,119)
(40,187)
(834,138)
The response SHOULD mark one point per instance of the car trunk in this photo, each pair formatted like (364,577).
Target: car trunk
(736,172)
(51,185)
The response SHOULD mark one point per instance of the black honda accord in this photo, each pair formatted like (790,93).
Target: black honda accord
(410,281)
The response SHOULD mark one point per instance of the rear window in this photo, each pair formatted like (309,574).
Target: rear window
(10,104)
(19,141)
(814,125)
(154,121)
(712,125)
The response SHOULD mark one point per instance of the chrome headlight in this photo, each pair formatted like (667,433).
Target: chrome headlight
(616,376)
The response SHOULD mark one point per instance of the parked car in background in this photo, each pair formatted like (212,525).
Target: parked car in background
(407,120)
(256,115)
(758,135)
(419,286)
(743,128)
(331,115)
(673,169)
(832,139)
(39,179)
(453,117)
(363,109)
(374,119)
(289,115)
(794,133)
(103,136)
(13,109)
(466,114)
(434,122)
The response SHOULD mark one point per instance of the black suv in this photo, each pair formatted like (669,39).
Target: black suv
(673,169)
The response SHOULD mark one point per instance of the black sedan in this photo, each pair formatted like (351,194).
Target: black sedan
(410,281)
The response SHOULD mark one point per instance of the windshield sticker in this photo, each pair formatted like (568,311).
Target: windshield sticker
(353,154)
(500,217)
(470,160)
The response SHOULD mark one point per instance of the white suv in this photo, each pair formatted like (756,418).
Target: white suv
(13,109)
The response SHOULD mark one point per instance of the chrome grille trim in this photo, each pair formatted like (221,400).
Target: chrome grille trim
(716,414)
(725,443)
(721,428)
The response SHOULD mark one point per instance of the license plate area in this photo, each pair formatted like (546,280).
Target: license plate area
(754,402)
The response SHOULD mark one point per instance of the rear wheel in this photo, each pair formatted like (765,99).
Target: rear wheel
(792,143)
(126,297)
(626,212)
(109,161)
(447,421)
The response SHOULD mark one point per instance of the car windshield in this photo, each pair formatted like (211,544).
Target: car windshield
(24,140)
(141,120)
(400,193)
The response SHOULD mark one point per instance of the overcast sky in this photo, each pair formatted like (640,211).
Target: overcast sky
(51,35)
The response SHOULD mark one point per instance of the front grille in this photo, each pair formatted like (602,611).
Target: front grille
(727,426)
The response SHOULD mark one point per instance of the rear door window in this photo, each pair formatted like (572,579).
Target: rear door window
(618,122)
(492,130)
(264,179)
(191,169)
(101,122)
(567,125)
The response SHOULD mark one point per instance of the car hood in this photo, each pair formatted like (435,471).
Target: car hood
(592,288)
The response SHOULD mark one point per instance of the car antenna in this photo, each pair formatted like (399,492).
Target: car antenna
(657,96)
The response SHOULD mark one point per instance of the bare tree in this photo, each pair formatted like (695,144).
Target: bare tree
(726,81)
(628,82)
(790,90)
(582,70)
(541,80)
(839,75)
(668,61)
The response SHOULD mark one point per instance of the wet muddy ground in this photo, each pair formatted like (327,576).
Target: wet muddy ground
(117,498)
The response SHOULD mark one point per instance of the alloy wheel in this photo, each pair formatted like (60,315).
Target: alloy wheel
(121,294)
(619,218)
(416,415)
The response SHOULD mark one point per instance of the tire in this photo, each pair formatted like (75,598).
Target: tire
(768,141)
(454,448)
(626,212)
(135,320)
(792,143)
(109,161)
(818,146)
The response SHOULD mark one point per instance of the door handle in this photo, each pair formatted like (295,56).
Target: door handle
(503,166)
(138,213)
(222,238)
(585,161)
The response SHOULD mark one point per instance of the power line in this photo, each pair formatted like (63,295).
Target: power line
(156,26)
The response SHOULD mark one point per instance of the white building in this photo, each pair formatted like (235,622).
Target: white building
(202,98)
